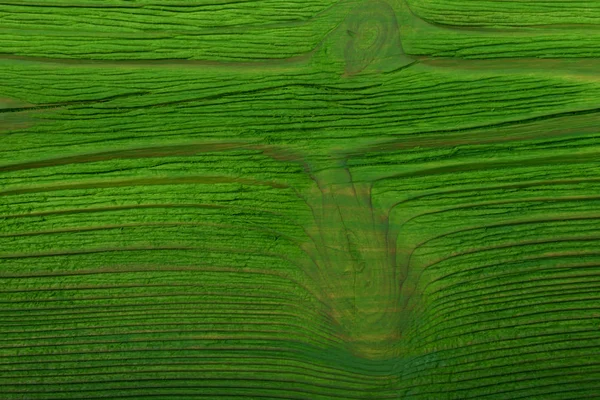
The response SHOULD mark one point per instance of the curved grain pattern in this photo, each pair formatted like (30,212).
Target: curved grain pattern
(316,200)
(373,36)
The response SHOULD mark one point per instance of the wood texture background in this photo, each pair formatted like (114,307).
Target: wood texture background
(300,199)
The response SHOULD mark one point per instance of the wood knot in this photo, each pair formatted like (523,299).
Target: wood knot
(372,36)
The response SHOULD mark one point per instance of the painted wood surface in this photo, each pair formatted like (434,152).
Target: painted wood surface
(300,199)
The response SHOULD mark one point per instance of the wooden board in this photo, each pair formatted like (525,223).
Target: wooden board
(313,199)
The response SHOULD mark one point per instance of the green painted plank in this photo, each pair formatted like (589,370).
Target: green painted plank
(299,200)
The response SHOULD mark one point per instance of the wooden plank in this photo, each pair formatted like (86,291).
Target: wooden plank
(299,200)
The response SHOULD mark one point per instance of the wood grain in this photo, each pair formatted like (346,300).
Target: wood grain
(299,200)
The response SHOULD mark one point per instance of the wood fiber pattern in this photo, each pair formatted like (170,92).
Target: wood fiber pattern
(311,199)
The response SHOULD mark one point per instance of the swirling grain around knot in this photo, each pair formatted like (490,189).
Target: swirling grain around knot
(372,31)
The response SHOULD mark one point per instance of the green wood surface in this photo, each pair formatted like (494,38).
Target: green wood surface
(299,199)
